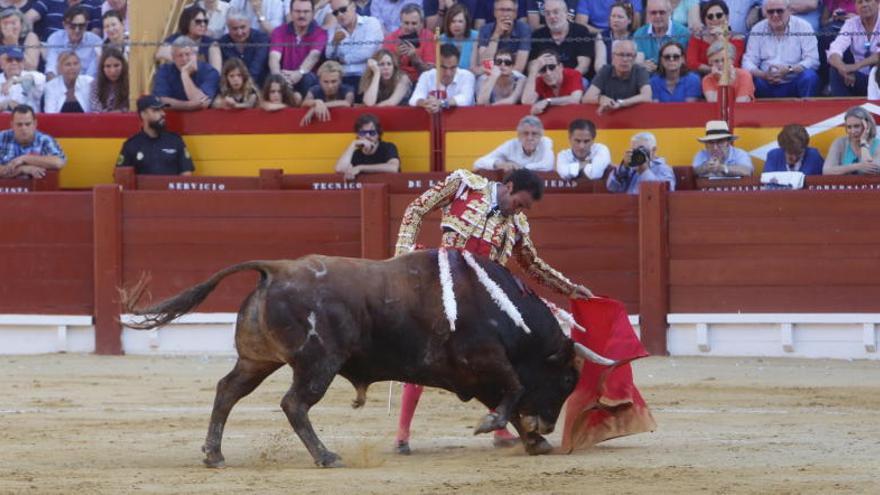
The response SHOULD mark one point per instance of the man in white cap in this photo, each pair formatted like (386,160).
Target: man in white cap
(721,158)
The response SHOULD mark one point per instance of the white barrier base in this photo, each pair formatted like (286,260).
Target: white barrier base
(839,336)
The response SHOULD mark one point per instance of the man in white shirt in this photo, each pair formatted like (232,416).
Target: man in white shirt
(265,15)
(531,150)
(585,158)
(352,40)
(19,86)
(457,85)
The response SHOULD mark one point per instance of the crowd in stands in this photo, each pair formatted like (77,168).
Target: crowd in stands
(61,56)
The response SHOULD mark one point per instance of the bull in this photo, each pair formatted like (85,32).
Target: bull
(372,321)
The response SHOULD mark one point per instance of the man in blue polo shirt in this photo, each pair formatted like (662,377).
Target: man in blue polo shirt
(659,30)
(506,32)
(185,83)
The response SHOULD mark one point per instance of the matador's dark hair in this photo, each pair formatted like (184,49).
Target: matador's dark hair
(526,180)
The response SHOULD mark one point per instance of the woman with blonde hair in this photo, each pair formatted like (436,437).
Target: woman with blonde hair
(237,91)
(858,152)
(383,83)
(70,91)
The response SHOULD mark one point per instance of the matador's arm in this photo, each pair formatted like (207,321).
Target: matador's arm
(436,197)
(527,257)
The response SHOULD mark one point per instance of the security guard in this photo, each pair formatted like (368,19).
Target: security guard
(155,151)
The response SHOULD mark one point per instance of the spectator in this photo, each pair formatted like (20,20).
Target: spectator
(437,10)
(193,25)
(368,153)
(794,153)
(413,43)
(457,84)
(550,83)
(503,85)
(186,83)
(851,79)
(68,93)
(835,13)
(383,83)
(721,158)
(330,92)
(324,12)
(597,13)
(620,27)
(109,91)
(858,152)
(531,149)
(389,12)
(237,90)
(457,30)
(246,44)
(48,16)
(155,151)
(536,12)
(73,37)
(506,32)
(16,32)
(25,151)
(216,11)
(297,47)
(657,32)
(621,84)
(686,13)
(19,86)
(673,82)
(353,40)
(115,34)
(640,164)
(277,95)
(26,7)
(586,157)
(264,15)
(740,79)
(572,42)
(120,6)
(715,23)
(781,54)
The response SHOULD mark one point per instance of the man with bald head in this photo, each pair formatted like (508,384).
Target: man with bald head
(622,83)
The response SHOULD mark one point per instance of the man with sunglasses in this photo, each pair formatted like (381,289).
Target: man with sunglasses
(368,153)
(353,40)
(47,16)
(782,54)
(74,38)
(659,30)
(551,84)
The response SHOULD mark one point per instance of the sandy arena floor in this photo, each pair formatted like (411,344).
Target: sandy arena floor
(88,424)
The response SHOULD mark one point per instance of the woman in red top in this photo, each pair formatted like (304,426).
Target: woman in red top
(714,16)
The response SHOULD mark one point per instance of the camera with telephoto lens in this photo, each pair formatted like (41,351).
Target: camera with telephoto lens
(639,157)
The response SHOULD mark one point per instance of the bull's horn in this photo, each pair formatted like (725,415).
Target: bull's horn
(585,353)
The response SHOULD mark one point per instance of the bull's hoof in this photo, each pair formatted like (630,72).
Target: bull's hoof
(214,460)
(329,460)
(358,403)
(491,422)
(538,446)
(504,443)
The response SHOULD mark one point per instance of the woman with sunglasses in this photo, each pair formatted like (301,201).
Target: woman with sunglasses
(714,14)
(502,85)
(194,24)
(458,30)
(673,82)
(368,153)
(16,32)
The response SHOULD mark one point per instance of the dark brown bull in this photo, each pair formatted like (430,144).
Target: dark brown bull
(371,321)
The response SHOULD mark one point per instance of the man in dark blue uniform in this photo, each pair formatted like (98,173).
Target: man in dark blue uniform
(155,151)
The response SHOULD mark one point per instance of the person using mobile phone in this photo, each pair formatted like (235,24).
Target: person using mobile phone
(413,44)
(367,153)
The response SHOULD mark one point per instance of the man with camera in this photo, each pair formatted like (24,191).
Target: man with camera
(640,164)
(368,153)
(413,44)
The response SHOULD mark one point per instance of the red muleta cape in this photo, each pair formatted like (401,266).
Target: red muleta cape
(605,403)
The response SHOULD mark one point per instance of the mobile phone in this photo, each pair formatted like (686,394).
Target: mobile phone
(488,64)
(412,38)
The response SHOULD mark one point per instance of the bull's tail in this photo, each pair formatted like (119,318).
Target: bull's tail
(174,307)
